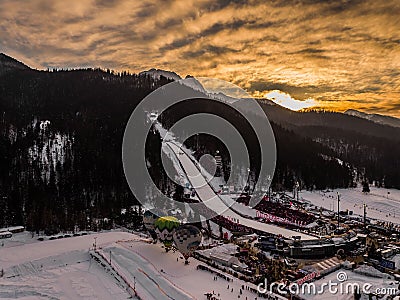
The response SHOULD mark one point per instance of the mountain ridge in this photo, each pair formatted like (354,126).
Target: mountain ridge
(157,73)
(86,110)
(376,118)
(8,63)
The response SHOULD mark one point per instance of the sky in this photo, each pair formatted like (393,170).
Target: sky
(328,54)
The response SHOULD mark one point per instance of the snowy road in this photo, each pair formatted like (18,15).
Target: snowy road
(214,202)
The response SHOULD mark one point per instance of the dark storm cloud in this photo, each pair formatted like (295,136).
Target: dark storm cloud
(208,49)
(107,3)
(299,92)
(311,51)
(211,31)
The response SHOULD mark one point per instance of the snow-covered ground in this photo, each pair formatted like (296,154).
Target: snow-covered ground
(239,207)
(57,269)
(69,275)
(63,269)
(162,275)
(382,204)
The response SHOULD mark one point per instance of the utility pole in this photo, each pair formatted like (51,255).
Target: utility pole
(110,257)
(338,210)
(269,187)
(365,216)
(294,191)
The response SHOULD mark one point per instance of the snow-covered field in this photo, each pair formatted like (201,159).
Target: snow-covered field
(161,275)
(58,269)
(382,204)
(63,269)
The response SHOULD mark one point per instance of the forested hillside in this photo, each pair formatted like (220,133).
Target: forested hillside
(60,150)
(61,135)
(372,149)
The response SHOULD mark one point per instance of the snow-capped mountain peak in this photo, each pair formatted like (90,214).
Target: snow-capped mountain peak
(157,73)
(376,118)
(194,84)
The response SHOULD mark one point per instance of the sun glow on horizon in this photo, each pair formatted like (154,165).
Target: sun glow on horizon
(287,101)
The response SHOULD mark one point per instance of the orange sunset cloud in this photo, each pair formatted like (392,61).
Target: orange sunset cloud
(331,54)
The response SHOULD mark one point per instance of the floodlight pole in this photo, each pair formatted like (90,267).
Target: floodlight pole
(365,216)
(338,210)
